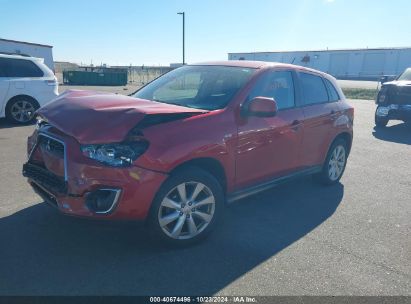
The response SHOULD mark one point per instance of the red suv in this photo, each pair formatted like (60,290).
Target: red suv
(180,148)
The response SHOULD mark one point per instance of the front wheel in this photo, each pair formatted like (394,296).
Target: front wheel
(380,122)
(187,207)
(335,163)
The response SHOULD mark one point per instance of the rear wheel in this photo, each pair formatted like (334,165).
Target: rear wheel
(335,163)
(187,207)
(20,110)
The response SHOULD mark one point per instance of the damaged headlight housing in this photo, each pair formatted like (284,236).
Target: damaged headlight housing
(115,154)
(40,121)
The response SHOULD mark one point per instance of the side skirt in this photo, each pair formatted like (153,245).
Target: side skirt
(234,196)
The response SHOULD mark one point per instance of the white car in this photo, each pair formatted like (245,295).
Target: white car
(26,84)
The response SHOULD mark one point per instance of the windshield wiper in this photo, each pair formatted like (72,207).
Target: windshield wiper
(178,104)
(170,102)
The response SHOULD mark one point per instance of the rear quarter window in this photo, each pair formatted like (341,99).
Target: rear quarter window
(314,90)
(332,92)
(22,68)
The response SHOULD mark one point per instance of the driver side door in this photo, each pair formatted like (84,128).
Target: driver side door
(269,147)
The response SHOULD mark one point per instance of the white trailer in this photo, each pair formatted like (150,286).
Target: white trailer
(28,48)
(366,64)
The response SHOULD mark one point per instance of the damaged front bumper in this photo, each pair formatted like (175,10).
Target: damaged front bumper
(394,111)
(76,185)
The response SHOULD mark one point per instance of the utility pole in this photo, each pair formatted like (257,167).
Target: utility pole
(183,14)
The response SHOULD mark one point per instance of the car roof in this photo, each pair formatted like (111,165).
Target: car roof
(258,65)
(236,63)
(17,56)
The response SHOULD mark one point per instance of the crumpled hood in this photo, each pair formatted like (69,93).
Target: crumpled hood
(397,83)
(94,117)
(398,91)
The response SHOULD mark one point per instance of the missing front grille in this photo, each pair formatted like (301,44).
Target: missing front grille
(51,145)
(45,178)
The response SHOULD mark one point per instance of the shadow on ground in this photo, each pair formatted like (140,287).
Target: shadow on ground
(5,124)
(44,253)
(400,133)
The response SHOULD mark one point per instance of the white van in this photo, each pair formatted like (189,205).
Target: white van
(26,84)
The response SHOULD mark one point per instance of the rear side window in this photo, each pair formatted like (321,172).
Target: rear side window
(332,92)
(278,85)
(314,90)
(3,67)
(10,67)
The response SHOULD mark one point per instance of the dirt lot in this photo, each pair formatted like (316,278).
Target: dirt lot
(297,239)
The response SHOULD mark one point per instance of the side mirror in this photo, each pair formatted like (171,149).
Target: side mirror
(262,107)
(383,79)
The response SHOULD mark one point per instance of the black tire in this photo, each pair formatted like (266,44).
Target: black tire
(324,176)
(379,121)
(28,105)
(192,176)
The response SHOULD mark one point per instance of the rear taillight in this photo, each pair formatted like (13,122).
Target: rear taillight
(51,82)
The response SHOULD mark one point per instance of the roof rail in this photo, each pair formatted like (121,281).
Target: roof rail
(19,54)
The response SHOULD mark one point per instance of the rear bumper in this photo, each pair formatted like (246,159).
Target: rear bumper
(128,192)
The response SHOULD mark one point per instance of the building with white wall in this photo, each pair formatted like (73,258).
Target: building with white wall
(28,48)
(367,64)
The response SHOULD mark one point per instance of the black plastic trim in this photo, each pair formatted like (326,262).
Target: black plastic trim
(270,184)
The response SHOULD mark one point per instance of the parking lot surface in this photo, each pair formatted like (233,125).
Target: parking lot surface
(296,239)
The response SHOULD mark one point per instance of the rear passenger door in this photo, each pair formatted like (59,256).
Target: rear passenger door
(320,108)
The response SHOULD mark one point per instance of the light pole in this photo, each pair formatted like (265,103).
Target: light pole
(183,13)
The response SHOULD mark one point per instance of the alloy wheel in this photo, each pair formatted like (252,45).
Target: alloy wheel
(186,210)
(337,163)
(22,111)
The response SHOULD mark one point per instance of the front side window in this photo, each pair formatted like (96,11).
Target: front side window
(278,85)
(22,68)
(313,88)
(201,87)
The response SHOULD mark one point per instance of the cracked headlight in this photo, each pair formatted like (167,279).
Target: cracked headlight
(116,154)
(383,111)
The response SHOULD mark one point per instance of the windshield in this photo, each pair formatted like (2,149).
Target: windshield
(200,87)
(406,75)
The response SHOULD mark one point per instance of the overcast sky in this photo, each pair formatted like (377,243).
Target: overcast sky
(123,32)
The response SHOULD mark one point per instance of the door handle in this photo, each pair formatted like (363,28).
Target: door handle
(333,114)
(295,125)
